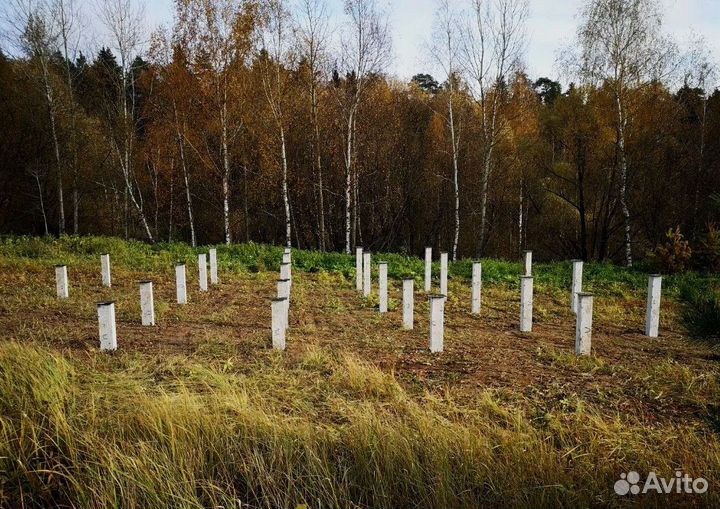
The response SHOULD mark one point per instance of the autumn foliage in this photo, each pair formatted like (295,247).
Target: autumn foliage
(208,136)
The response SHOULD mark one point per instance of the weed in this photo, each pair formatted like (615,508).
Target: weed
(701,311)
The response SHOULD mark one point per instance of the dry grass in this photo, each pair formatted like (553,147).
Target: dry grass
(200,412)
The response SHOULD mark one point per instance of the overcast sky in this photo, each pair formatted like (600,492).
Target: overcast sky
(550,27)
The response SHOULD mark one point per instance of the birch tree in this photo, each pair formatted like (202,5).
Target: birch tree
(35,31)
(312,35)
(366,46)
(34,172)
(701,73)
(219,35)
(174,100)
(124,22)
(274,64)
(623,48)
(493,43)
(445,52)
(67,16)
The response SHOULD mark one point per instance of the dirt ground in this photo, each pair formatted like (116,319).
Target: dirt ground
(649,380)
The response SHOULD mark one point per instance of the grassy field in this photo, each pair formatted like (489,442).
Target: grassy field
(199,411)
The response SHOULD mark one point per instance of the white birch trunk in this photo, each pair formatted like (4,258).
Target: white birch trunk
(318,159)
(348,183)
(226,171)
(286,197)
(50,99)
(186,179)
(520,218)
(456,181)
(622,123)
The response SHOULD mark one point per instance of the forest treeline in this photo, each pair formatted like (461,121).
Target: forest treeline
(270,121)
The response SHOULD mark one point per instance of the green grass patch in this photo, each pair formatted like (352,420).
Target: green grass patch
(600,278)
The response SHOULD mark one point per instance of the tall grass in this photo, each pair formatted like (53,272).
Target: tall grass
(99,434)
(701,312)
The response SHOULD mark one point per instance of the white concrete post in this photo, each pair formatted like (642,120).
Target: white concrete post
(443,274)
(437,319)
(367,282)
(652,315)
(283,288)
(383,286)
(147,304)
(213,266)
(476,287)
(408,303)
(106,321)
(180,283)
(283,292)
(287,258)
(279,313)
(105,264)
(202,272)
(285,270)
(61,281)
(583,324)
(577,276)
(428,269)
(358,268)
(526,303)
(528,263)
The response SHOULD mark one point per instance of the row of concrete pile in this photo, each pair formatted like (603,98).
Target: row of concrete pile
(581,302)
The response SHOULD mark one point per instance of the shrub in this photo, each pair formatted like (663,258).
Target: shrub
(707,254)
(672,256)
(701,313)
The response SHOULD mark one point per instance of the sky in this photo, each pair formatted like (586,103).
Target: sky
(551,26)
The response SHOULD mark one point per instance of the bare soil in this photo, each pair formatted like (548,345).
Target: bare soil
(537,370)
